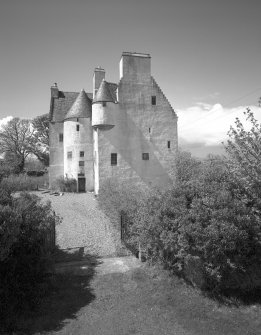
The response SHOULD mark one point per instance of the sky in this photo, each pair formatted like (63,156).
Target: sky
(205,56)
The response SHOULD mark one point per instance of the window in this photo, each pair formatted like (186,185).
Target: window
(145,156)
(153,100)
(168,144)
(81,153)
(104,104)
(113,159)
(81,163)
(77,127)
(149,130)
(60,137)
(69,154)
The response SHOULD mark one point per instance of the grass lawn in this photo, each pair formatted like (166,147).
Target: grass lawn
(121,296)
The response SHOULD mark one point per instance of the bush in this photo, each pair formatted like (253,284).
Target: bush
(24,259)
(22,182)
(66,184)
(202,217)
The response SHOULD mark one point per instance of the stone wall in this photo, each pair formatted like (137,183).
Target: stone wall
(74,142)
(140,127)
(56,168)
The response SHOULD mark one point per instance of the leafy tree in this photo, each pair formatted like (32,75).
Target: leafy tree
(187,167)
(244,161)
(16,141)
(41,137)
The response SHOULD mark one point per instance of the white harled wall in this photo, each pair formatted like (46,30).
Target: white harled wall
(74,142)
(140,127)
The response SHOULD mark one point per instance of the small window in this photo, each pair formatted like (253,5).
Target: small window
(104,104)
(149,130)
(168,144)
(60,137)
(153,100)
(81,163)
(69,154)
(77,127)
(113,159)
(145,156)
(81,153)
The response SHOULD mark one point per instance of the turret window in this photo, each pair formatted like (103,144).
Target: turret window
(60,137)
(81,153)
(153,100)
(69,154)
(145,156)
(113,159)
(77,127)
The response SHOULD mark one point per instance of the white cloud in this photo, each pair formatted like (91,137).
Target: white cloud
(209,124)
(5,120)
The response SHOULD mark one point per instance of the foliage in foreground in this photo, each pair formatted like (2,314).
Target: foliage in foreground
(203,217)
(24,256)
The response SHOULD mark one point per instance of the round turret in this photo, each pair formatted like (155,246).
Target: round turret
(78,151)
(103,108)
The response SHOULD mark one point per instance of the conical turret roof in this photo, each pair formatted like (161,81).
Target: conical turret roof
(104,93)
(81,108)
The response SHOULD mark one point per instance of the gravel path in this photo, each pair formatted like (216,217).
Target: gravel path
(84,224)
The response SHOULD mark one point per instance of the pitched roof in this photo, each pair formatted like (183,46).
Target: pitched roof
(61,106)
(113,88)
(81,108)
(104,93)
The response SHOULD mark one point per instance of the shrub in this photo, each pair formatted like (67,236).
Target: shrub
(22,182)
(24,260)
(66,184)
(201,217)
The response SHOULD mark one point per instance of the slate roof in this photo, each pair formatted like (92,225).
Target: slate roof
(81,108)
(104,93)
(61,106)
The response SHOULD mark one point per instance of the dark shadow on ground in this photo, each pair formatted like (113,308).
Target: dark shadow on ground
(67,291)
(236,297)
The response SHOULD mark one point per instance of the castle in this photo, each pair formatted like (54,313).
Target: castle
(126,131)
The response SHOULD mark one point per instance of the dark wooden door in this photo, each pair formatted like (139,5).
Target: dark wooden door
(81,185)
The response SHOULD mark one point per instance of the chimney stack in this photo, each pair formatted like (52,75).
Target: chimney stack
(98,76)
(54,91)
